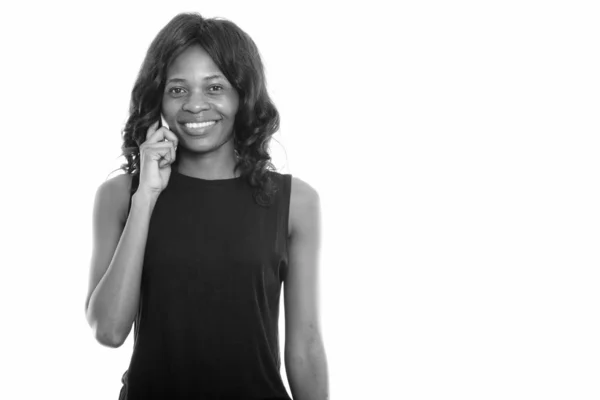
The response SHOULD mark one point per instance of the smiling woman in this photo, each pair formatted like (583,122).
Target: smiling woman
(193,243)
(199,103)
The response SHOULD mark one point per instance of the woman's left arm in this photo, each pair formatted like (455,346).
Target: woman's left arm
(305,358)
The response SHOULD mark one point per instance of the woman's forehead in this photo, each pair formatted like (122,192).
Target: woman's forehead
(194,63)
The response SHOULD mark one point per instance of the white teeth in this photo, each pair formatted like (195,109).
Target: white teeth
(200,124)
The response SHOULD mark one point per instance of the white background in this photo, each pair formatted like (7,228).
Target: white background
(455,149)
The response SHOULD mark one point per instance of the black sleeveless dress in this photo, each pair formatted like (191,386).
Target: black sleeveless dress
(207,325)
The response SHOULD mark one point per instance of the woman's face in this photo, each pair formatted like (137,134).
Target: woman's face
(197,92)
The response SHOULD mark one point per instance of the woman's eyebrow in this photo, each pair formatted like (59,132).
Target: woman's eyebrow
(206,78)
(214,76)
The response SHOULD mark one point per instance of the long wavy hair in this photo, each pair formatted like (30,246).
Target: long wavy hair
(238,58)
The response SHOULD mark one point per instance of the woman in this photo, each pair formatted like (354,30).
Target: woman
(193,243)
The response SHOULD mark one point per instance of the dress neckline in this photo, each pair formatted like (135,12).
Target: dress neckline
(194,180)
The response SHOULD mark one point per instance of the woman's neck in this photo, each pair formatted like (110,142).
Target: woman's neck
(204,170)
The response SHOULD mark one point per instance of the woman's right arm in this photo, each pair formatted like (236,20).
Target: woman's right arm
(118,254)
(117,261)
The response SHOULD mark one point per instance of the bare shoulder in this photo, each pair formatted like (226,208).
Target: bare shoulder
(304,204)
(115,192)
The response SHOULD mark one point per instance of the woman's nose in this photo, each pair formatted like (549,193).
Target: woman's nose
(196,102)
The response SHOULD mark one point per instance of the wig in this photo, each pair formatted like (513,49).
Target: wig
(237,56)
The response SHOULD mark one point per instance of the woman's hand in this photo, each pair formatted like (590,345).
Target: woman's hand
(156,157)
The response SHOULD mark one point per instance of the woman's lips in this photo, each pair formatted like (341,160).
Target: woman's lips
(202,128)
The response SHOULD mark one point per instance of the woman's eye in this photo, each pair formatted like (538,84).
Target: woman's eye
(217,88)
(175,90)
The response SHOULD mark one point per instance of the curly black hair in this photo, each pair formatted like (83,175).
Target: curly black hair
(238,58)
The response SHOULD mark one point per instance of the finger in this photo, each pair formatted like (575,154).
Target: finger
(161,161)
(170,136)
(170,154)
(164,135)
(173,151)
(162,149)
(157,151)
(151,130)
(165,160)
(158,136)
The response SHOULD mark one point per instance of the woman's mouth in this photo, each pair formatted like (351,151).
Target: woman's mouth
(199,128)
